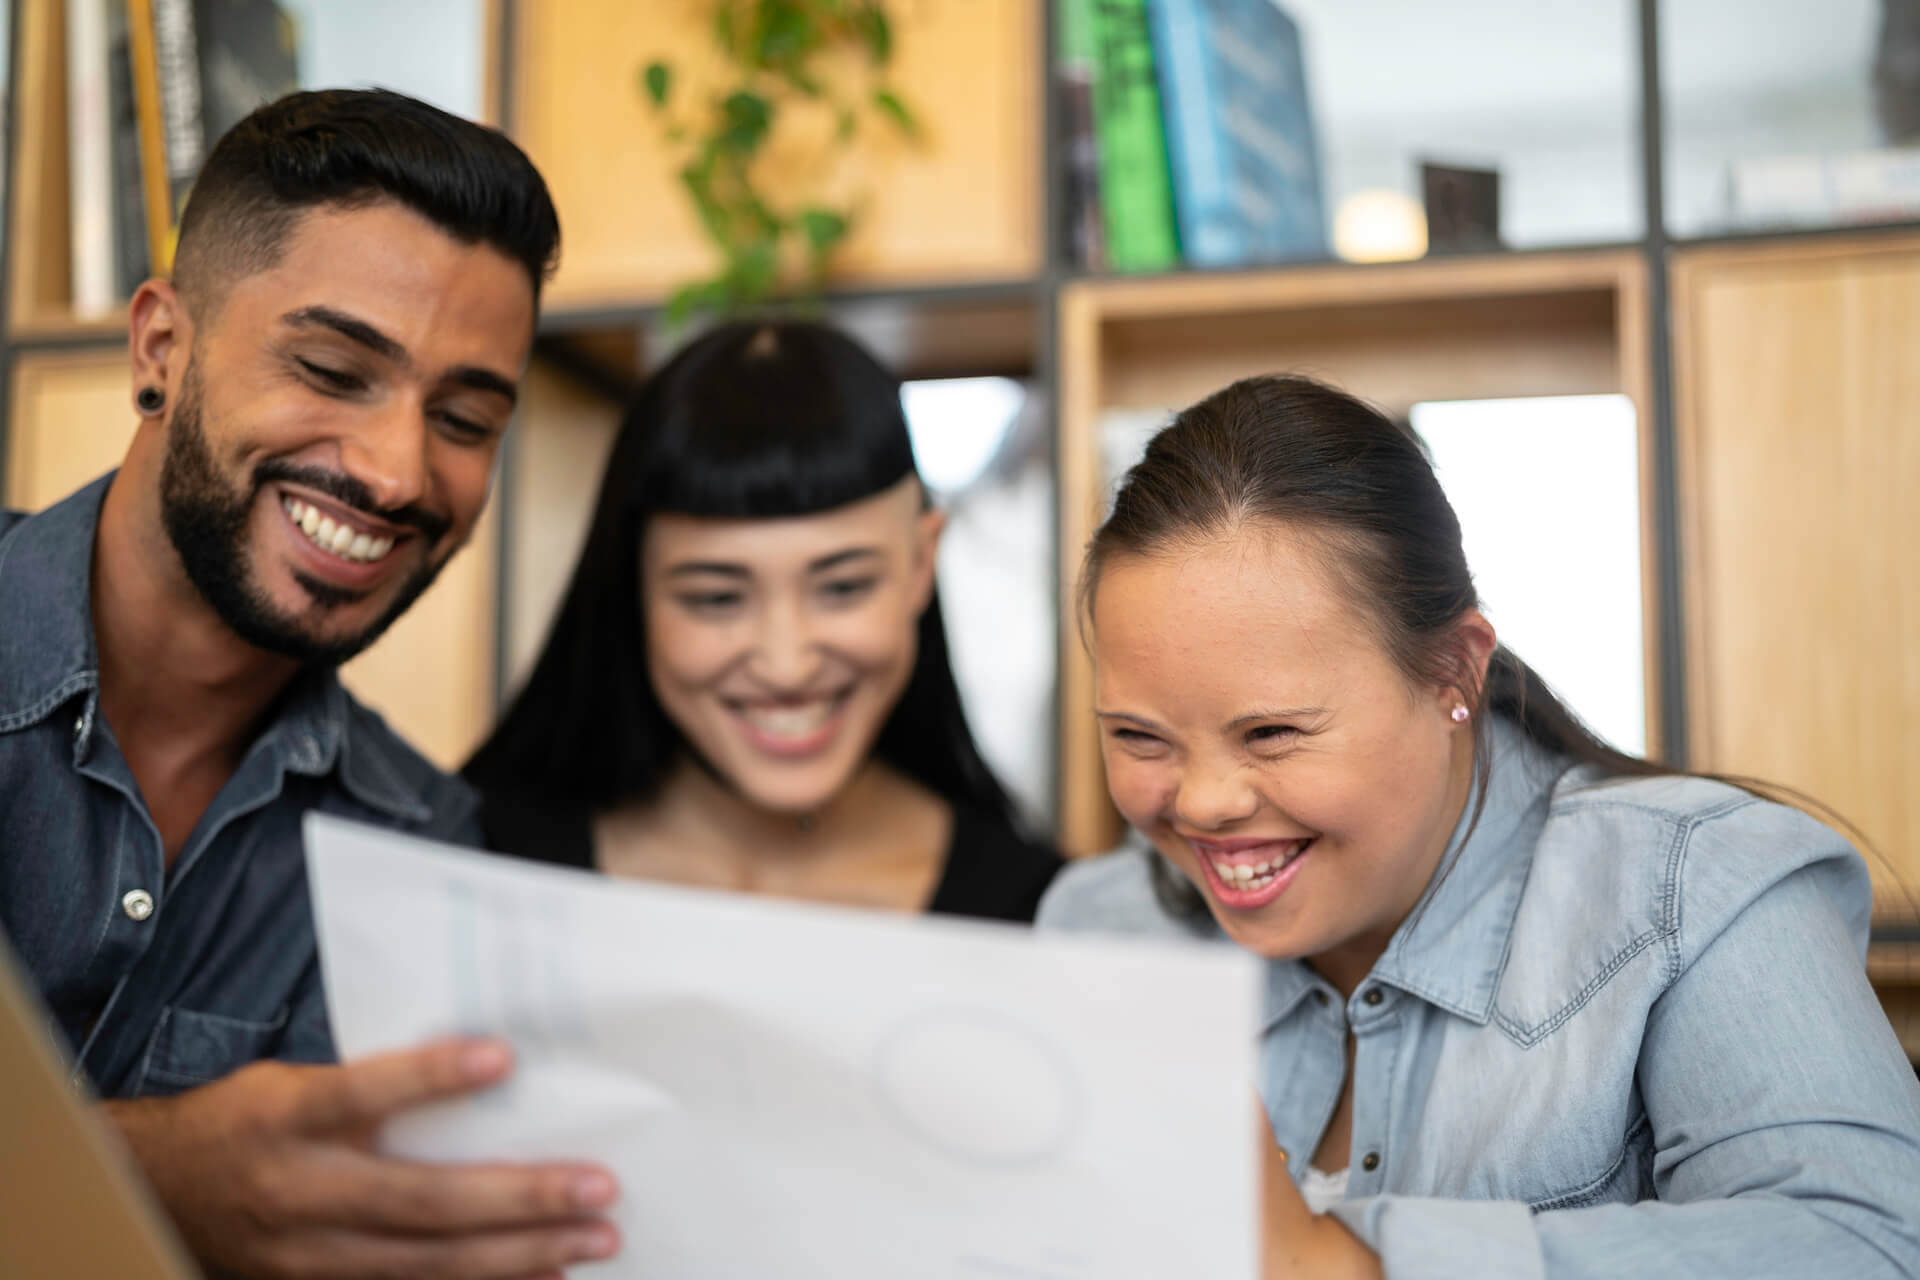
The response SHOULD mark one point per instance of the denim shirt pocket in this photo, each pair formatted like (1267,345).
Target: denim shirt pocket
(190,1048)
(1628,1181)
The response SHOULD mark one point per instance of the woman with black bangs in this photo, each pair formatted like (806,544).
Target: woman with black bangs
(747,684)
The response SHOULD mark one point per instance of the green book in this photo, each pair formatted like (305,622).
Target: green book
(1136,188)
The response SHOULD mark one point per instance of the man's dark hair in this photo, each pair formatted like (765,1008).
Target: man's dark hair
(350,148)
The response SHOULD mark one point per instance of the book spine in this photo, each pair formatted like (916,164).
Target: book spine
(89,159)
(129,207)
(1086,237)
(1135,188)
(177,60)
(156,197)
(1211,232)
(1269,118)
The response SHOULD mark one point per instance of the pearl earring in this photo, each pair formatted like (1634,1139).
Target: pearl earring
(1460,713)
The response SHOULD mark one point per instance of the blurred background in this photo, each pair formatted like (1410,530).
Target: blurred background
(1644,275)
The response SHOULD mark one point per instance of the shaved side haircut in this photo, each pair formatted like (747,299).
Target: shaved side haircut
(347,149)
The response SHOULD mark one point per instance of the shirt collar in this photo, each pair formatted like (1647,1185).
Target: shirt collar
(1453,945)
(46,575)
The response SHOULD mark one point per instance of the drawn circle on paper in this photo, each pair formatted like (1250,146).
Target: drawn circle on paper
(978,1086)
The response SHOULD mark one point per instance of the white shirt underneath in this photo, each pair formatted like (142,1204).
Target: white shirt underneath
(1322,1191)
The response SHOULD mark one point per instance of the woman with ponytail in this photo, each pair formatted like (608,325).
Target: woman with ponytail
(1533,1007)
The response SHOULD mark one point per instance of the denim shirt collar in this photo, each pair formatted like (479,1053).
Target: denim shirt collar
(1452,948)
(46,574)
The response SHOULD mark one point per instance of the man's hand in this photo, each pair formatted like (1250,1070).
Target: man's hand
(272,1171)
(1296,1243)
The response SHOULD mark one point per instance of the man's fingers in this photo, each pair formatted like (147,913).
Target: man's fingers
(363,1093)
(504,1255)
(404,1197)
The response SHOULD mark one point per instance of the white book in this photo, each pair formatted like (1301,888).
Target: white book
(90,158)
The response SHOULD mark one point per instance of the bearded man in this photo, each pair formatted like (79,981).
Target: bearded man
(321,388)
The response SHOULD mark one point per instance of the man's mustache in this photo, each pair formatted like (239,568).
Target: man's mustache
(345,489)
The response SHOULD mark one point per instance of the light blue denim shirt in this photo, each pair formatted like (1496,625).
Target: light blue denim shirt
(1625,1032)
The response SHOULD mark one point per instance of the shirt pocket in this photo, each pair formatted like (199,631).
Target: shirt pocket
(1628,1181)
(190,1048)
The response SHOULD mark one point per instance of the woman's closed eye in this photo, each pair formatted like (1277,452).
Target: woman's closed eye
(840,591)
(709,601)
(1273,737)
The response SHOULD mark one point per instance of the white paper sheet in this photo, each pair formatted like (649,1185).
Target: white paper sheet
(798,1091)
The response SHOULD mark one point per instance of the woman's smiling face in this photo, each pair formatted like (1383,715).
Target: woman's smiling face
(780,646)
(1257,732)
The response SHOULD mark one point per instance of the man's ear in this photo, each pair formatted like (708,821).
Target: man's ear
(927,528)
(159,336)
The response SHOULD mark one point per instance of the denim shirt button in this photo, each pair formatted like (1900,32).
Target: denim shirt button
(138,904)
(1320,997)
(1373,996)
(1371,1161)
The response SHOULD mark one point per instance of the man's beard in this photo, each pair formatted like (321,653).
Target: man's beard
(208,527)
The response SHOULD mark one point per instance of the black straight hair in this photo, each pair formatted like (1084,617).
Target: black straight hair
(752,419)
(350,148)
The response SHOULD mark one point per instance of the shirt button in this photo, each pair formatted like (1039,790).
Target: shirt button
(1371,1161)
(138,904)
(1320,997)
(1373,996)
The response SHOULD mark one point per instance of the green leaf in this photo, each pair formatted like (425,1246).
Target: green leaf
(876,31)
(724,33)
(698,181)
(849,125)
(785,33)
(889,105)
(658,80)
(824,229)
(745,119)
(803,84)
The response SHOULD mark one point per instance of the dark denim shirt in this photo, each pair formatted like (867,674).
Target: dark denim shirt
(162,978)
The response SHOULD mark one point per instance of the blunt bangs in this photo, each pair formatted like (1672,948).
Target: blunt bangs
(769,420)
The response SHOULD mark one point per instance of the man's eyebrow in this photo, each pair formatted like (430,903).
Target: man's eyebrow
(348,327)
(469,375)
(380,344)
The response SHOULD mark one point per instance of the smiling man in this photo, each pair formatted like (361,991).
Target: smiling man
(321,391)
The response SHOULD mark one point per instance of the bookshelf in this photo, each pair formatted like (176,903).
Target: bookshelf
(1726,349)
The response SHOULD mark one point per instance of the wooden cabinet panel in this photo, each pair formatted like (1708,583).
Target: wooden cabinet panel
(1798,409)
(71,420)
(964,207)
(431,675)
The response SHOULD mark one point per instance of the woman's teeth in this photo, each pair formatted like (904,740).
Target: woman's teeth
(1255,875)
(339,539)
(801,721)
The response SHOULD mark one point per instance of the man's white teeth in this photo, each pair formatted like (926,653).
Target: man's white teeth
(790,722)
(340,539)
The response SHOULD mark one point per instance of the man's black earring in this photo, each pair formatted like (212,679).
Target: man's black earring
(151,399)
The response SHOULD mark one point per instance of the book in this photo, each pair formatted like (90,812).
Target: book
(132,261)
(1239,126)
(89,159)
(1136,196)
(1085,236)
(200,67)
